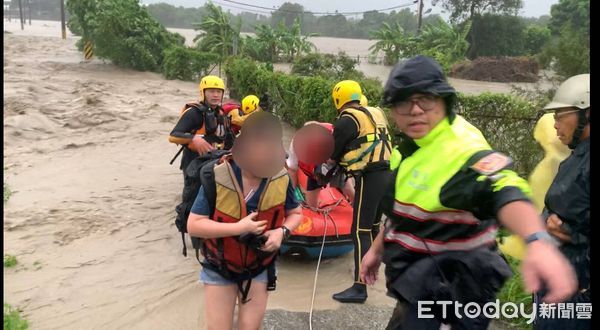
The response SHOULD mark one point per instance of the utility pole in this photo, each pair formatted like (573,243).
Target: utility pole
(62,19)
(21,13)
(419,16)
(29,8)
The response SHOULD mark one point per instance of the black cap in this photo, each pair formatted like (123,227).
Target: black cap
(420,74)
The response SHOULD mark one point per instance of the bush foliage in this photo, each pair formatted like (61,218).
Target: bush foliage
(186,63)
(507,123)
(123,32)
(296,99)
(328,65)
(13,320)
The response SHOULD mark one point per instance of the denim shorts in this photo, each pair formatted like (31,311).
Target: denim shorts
(211,277)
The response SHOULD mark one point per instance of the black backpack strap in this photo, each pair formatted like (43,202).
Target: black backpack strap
(244,290)
(271,276)
(198,255)
(184,246)
(207,179)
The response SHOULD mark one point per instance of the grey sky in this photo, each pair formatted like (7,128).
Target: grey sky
(531,8)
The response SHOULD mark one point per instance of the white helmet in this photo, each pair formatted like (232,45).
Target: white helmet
(573,92)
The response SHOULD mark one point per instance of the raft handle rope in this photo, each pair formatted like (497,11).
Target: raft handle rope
(326,211)
(326,215)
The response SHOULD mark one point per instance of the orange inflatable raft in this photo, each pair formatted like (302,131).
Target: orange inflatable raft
(333,219)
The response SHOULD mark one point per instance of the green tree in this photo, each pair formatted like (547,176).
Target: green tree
(406,18)
(217,34)
(81,12)
(496,35)
(251,20)
(538,21)
(123,32)
(267,43)
(335,25)
(446,43)
(389,39)
(287,13)
(373,20)
(293,42)
(177,17)
(571,14)
(432,20)
(536,37)
(461,10)
(570,48)
(186,63)
(339,67)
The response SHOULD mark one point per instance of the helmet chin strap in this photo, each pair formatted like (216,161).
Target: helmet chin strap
(582,121)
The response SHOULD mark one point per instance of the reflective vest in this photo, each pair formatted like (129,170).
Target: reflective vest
(309,170)
(422,224)
(373,144)
(230,207)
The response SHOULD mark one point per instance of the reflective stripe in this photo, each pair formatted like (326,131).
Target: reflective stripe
(415,243)
(416,213)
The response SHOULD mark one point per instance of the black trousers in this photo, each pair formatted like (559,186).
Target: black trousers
(366,218)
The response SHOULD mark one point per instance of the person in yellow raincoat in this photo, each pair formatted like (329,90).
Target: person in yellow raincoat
(541,177)
(238,116)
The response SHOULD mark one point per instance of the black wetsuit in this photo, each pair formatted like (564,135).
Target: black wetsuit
(368,192)
(217,129)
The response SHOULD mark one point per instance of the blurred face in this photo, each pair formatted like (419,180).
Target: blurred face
(213,96)
(419,114)
(565,123)
(313,144)
(262,155)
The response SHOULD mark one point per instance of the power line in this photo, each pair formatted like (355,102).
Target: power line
(244,9)
(319,13)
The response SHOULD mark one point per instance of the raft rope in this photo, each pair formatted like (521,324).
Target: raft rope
(326,215)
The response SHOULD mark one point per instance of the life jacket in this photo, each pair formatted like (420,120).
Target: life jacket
(373,144)
(228,107)
(309,170)
(230,257)
(236,117)
(213,121)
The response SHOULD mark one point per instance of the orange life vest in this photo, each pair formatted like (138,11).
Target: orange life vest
(230,207)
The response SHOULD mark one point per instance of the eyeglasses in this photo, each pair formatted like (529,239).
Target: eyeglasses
(425,102)
(562,114)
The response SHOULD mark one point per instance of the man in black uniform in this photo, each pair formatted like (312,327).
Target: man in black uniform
(362,148)
(202,127)
(567,203)
(451,192)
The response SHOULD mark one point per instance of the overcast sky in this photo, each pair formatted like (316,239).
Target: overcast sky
(531,8)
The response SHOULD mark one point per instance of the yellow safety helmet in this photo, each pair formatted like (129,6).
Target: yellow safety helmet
(210,82)
(364,102)
(346,91)
(250,104)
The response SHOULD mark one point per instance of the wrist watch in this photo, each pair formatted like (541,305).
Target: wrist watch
(286,233)
(542,235)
